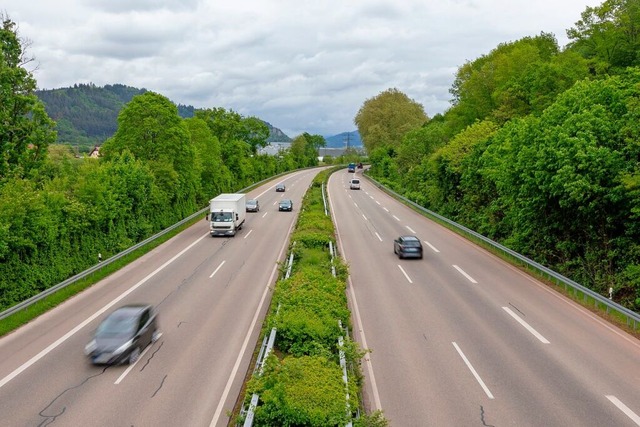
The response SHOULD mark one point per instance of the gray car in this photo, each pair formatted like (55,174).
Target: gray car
(285,205)
(123,335)
(407,247)
(252,205)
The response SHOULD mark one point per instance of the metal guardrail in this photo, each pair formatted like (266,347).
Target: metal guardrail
(34,299)
(26,303)
(632,318)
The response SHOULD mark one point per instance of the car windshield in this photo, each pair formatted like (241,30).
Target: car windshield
(117,324)
(411,242)
(252,202)
(221,217)
(285,202)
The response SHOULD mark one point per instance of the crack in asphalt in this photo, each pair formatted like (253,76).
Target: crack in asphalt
(181,322)
(517,309)
(161,384)
(151,356)
(48,419)
(482,418)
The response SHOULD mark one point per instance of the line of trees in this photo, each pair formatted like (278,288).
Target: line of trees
(58,212)
(540,149)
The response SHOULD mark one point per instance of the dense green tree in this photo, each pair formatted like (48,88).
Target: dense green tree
(387,117)
(150,128)
(447,166)
(568,179)
(609,34)
(26,129)
(513,80)
(215,176)
(305,148)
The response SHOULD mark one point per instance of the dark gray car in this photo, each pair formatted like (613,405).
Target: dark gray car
(123,335)
(285,205)
(407,247)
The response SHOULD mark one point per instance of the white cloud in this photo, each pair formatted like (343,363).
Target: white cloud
(303,66)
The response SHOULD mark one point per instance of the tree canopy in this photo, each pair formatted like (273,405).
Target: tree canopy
(26,130)
(387,117)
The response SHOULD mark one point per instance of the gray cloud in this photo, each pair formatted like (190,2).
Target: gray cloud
(304,66)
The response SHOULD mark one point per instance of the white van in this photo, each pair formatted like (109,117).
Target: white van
(354,184)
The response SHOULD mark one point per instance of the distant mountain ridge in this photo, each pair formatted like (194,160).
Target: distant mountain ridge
(86,115)
(344,139)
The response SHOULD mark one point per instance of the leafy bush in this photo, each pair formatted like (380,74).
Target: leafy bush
(302,391)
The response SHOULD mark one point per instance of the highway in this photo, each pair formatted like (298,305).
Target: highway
(211,296)
(461,338)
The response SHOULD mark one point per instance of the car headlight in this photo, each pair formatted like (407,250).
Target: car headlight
(89,348)
(123,347)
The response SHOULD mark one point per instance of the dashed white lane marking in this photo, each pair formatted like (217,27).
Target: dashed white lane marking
(248,233)
(379,238)
(624,408)
(405,273)
(216,270)
(431,246)
(469,278)
(526,325)
(473,371)
(410,229)
(397,219)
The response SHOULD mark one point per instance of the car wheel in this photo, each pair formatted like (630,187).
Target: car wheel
(133,356)
(400,255)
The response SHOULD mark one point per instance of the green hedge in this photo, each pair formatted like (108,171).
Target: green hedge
(302,382)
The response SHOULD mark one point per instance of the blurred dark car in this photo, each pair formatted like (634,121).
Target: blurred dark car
(252,205)
(280,188)
(407,247)
(285,205)
(123,335)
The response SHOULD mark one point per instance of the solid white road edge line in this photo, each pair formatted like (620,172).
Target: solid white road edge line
(216,270)
(91,318)
(624,408)
(367,360)
(473,371)
(526,325)
(469,278)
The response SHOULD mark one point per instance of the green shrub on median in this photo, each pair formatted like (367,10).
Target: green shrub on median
(302,383)
(302,391)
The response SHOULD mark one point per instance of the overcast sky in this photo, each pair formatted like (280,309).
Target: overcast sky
(303,66)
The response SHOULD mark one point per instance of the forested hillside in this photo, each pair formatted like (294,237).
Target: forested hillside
(86,114)
(58,211)
(540,149)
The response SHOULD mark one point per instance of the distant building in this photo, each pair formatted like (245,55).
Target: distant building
(274,148)
(95,153)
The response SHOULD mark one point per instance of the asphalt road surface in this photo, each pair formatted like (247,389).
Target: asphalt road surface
(461,338)
(211,296)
